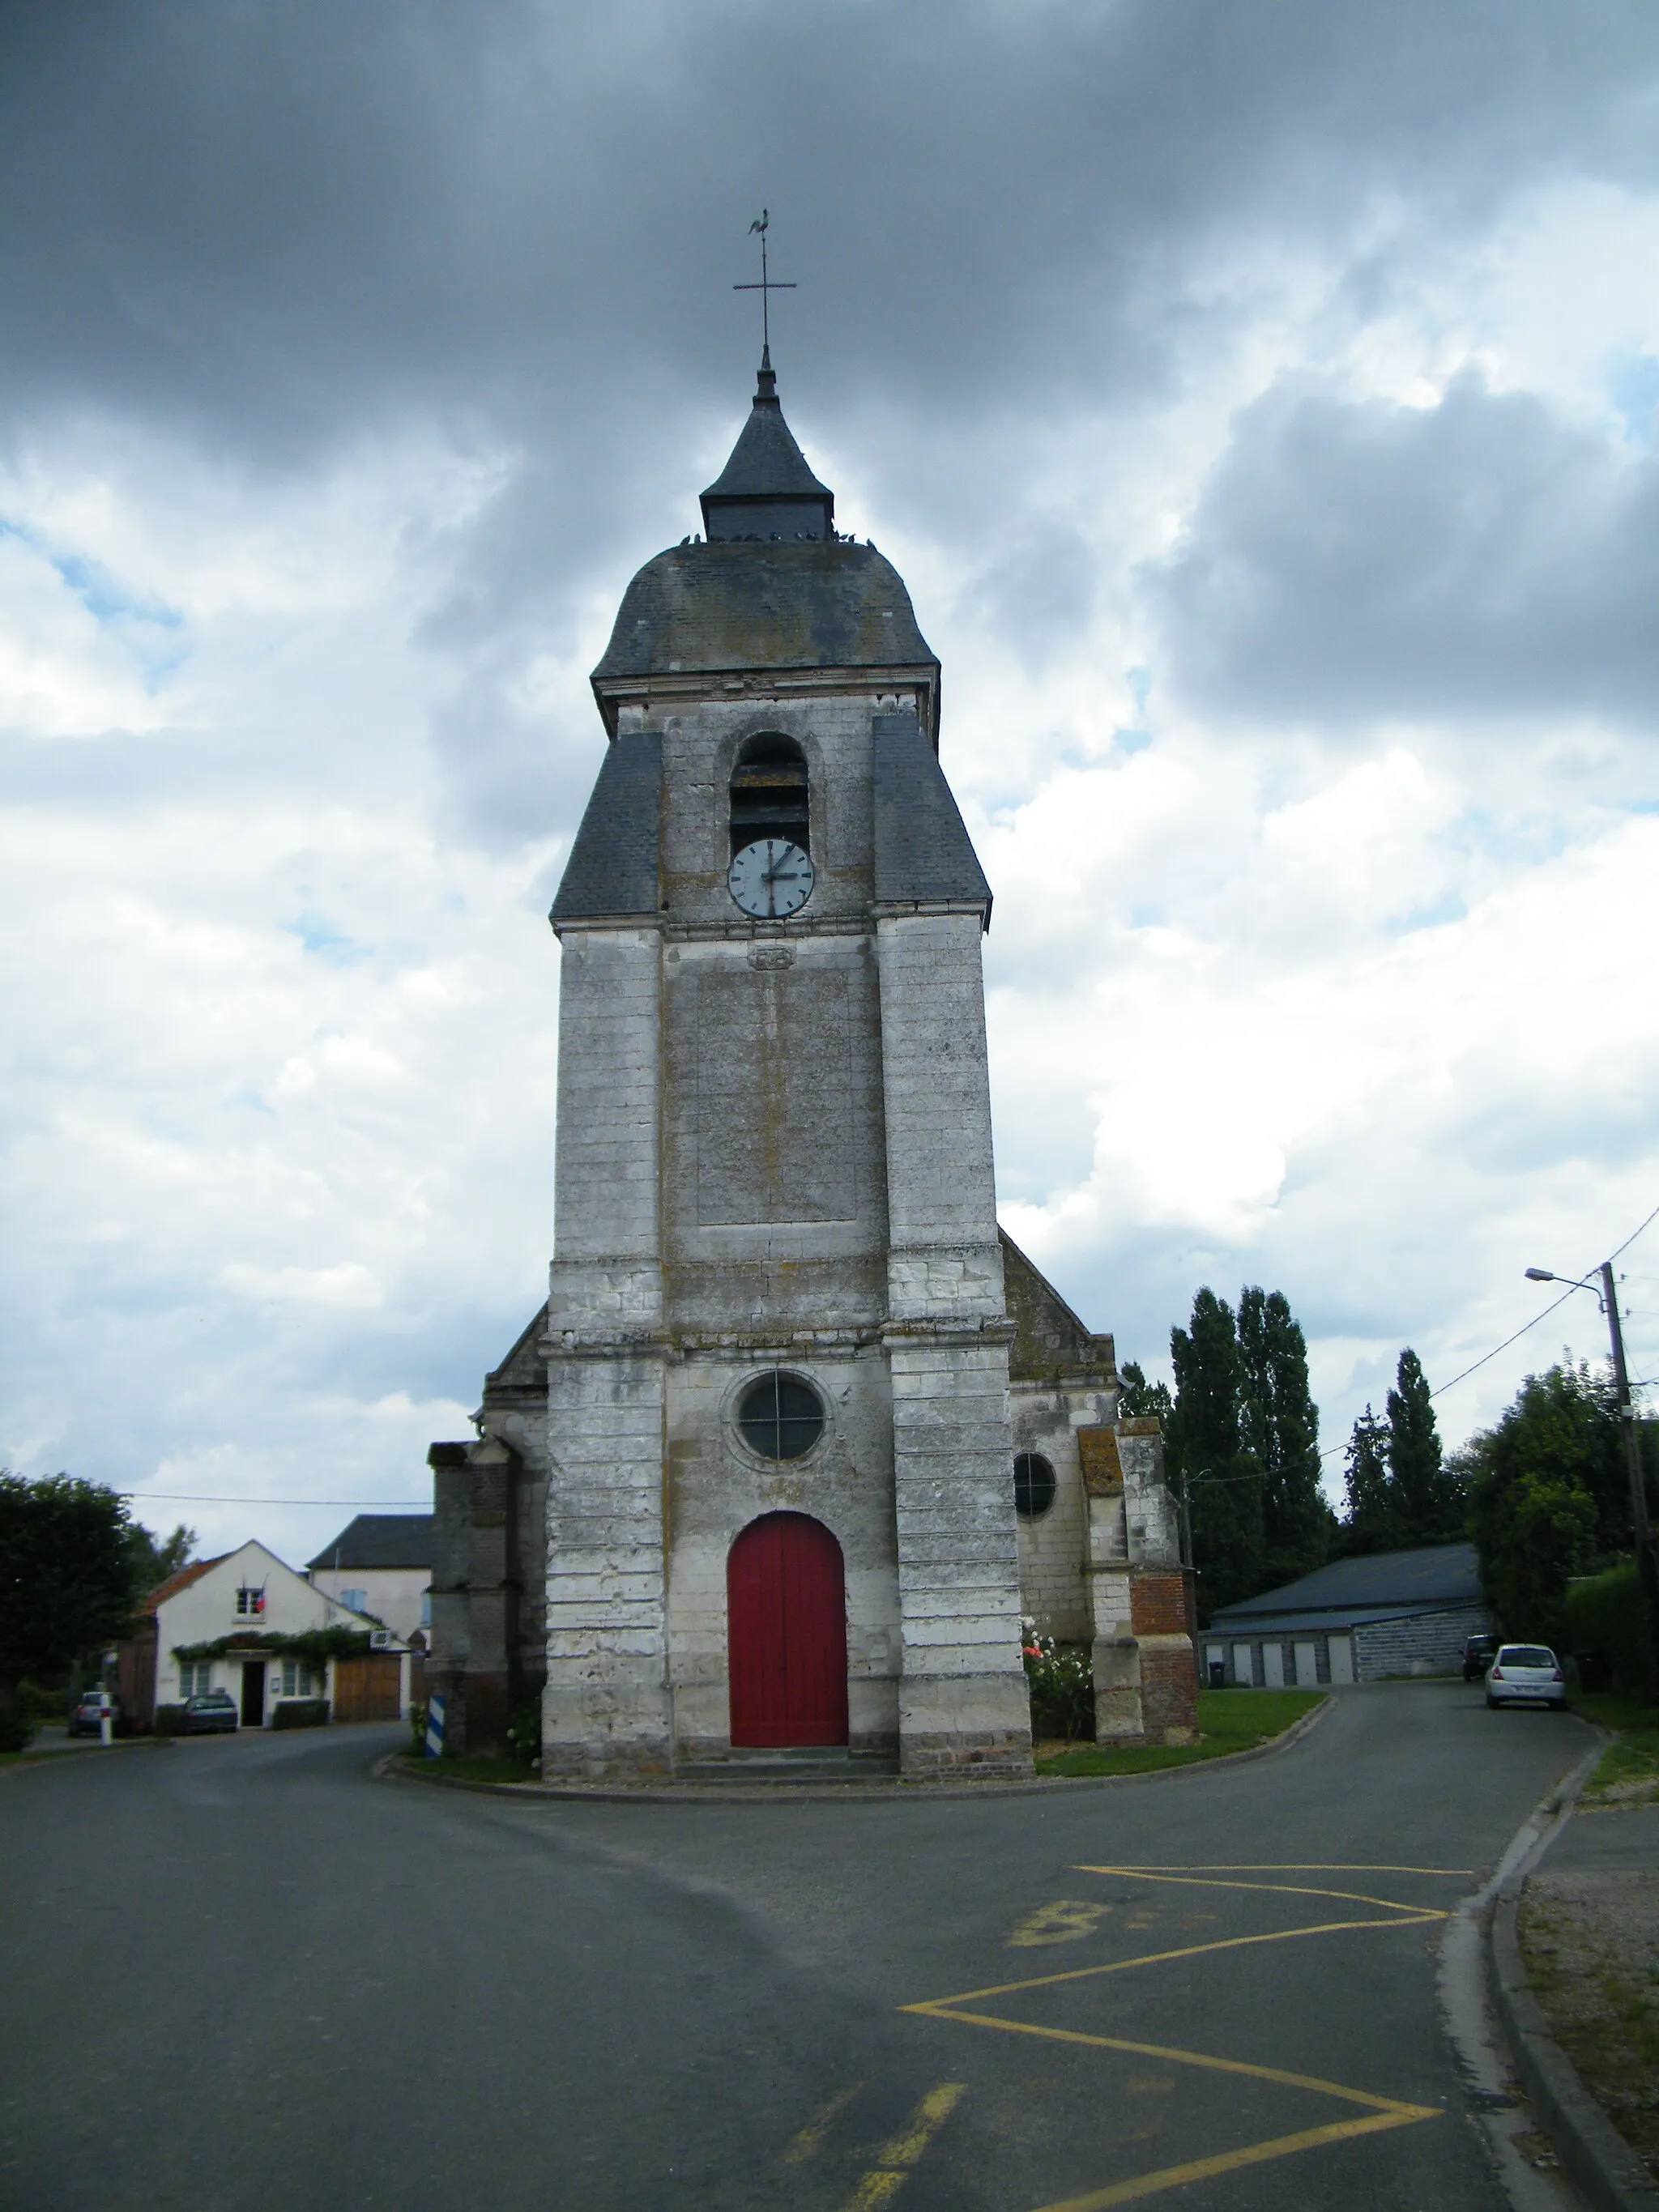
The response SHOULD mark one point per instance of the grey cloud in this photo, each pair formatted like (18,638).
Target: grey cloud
(282,222)
(1351,560)
(275,230)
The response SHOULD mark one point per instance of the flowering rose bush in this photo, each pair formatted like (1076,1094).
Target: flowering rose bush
(1062,1687)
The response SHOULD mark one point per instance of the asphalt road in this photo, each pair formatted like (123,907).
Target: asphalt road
(240,1972)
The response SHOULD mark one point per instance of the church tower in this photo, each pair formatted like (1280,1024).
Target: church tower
(779,1511)
(758,1484)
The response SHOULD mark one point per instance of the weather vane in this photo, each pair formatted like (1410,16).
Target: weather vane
(767,286)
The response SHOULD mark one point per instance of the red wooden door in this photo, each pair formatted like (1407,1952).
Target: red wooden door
(787,1633)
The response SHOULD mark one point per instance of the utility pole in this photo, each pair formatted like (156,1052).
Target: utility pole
(1646,1568)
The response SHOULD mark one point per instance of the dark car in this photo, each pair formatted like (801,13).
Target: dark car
(1479,1652)
(88,1718)
(211,1711)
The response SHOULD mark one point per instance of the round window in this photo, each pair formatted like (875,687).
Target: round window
(1034,1486)
(779,1416)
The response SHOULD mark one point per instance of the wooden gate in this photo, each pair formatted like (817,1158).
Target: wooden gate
(787,1633)
(366,1689)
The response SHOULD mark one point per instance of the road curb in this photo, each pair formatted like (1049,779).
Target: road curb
(390,1768)
(1600,2162)
(45,1761)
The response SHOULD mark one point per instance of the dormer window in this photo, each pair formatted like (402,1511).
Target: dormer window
(770,796)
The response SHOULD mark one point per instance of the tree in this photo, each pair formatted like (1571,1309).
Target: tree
(154,1562)
(1279,1422)
(1565,1423)
(1429,1500)
(1222,1476)
(1137,1397)
(1538,1532)
(66,1580)
(1549,1495)
(1371,1522)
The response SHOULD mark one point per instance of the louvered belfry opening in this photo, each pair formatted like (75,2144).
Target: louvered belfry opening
(769,795)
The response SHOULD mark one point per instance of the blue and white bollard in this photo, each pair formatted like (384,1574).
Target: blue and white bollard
(434,1727)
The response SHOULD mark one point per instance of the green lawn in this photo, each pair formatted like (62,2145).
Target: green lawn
(1627,1773)
(1228,1720)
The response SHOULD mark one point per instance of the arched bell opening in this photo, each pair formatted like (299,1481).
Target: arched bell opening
(769,794)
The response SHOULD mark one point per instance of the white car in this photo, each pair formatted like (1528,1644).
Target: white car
(1526,1674)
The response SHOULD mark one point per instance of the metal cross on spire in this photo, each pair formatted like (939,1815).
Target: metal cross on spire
(767,286)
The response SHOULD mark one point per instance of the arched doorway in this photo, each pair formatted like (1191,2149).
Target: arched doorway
(785,1595)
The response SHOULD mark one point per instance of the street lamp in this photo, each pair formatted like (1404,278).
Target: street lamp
(1646,1568)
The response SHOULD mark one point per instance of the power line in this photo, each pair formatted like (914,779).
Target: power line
(1634,1234)
(356,1505)
(1508,1340)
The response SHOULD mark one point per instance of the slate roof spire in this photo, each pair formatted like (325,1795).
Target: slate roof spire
(766,489)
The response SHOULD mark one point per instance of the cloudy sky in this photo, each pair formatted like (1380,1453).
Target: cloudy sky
(1260,402)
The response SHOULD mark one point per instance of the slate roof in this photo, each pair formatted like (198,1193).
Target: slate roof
(612,868)
(766,462)
(1383,1585)
(924,855)
(745,605)
(380,1540)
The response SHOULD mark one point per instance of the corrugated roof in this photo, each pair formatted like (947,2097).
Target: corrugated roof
(1430,1578)
(1336,1619)
(380,1540)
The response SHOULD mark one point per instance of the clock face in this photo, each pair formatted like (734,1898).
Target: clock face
(770,879)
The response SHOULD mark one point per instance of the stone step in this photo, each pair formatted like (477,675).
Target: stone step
(807,1763)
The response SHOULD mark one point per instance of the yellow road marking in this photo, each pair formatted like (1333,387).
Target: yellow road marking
(1177,2058)
(1229,2161)
(895,2158)
(1266,1889)
(1062,1921)
(1384,2113)
(1163,1958)
(1294,1866)
(810,2141)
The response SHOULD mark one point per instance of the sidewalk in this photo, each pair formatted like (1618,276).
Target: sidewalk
(1589,1929)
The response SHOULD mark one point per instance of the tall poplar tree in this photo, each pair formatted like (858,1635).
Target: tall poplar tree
(1428,1500)
(1279,1422)
(1222,1476)
(1371,1522)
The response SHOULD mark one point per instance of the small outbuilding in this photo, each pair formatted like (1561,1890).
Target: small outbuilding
(1355,1620)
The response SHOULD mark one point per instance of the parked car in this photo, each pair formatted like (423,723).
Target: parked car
(209,1711)
(1526,1674)
(88,1718)
(1479,1652)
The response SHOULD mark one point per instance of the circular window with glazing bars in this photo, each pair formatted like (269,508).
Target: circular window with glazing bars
(1034,1486)
(780,1417)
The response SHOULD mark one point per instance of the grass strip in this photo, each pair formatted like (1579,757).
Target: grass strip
(1228,1721)
(1627,1773)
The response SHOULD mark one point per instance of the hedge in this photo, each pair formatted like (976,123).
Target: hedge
(299,1712)
(169,1719)
(1603,1614)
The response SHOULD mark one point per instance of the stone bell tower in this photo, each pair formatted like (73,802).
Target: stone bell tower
(779,1511)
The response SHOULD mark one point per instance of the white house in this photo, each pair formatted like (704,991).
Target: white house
(228,1624)
(380,1564)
